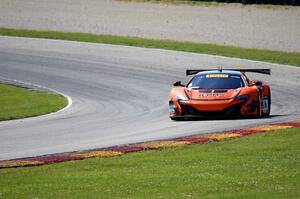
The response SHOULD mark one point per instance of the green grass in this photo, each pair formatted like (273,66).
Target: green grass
(228,51)
(16,102)
(210,3)
(179,2)
(258,166)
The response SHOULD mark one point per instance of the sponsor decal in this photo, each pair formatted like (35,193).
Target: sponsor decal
(212,94)
(217,76)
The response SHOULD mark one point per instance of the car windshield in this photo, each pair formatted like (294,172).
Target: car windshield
(216,81)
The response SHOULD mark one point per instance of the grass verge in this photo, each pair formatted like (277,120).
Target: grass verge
(211,3)
(179,2)
(228,51)
(16,102)
(258,166)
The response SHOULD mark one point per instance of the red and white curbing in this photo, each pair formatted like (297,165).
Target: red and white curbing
(154,145)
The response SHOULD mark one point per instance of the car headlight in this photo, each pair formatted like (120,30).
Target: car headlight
(243,97)
(180,98)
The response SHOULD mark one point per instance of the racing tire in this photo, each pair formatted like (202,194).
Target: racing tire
(268,101)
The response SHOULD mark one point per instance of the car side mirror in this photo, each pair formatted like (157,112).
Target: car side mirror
(178,84)
(256,83)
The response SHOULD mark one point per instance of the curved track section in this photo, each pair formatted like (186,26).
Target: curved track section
(119,95)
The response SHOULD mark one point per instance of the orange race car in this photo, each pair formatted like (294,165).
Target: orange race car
(220,92)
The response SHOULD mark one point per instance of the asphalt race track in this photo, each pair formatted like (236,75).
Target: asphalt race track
(119,94)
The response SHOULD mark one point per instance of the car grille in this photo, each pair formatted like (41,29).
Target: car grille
(232,110)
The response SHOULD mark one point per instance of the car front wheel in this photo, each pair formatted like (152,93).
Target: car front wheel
(266,105)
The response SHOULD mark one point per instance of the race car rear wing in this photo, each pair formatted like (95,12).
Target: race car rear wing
(266,71)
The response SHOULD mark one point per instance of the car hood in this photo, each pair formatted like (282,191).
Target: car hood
(211,94)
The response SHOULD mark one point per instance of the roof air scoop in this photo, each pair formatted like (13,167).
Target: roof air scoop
(220,69)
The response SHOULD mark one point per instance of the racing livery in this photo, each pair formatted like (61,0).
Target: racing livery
(220,92)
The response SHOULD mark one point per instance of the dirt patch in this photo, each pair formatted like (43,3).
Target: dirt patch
(250,26)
